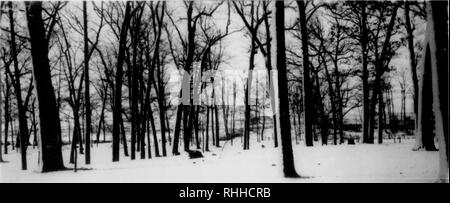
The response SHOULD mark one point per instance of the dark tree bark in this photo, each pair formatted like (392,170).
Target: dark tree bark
(196,127)
(22,108)
(176,136)
(322,119)
(1,101)
(412,61)
(280,61)
(117,111)
(76,138)
(269,73)
(155,138)
(168,129)
(87,100)
(7,112)
(426,114)
(50,129)
(233,126)
(123,138)
(307,88)
(333,102)
(102,114)
(207,129)
(225,110)
(365,74)
(157,28)
(216,119)
(381,64)
(133,82)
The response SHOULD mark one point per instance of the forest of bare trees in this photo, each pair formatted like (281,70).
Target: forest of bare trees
(159,78)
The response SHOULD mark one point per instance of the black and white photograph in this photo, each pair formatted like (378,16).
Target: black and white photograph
(224,91)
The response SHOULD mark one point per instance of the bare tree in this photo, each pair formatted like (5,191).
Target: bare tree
(21,103)
(117,111)
(87,100)
(1,113)
(307,98)
(252,25)
(50,129)
(280,61)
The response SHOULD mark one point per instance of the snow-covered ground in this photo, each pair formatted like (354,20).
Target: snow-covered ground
(387,162)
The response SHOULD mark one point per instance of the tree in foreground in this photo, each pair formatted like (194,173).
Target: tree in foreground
(279,50)
(436,56)
(50,129)
(1,101)
(117,111)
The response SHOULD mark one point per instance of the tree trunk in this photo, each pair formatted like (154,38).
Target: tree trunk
(425,131)
(269,77)
(248,88)
(437,37)
(50,129)
(176,136)
(233,127)
(216,119)
(322,118)
(117,111)
(87,91)
(207,129)
(196,127)
(161,88)
(102,116)
(280,61)
(162,112)
(412,60)
(365,75)
(7,113)
(76,138)
(248,93)
(257,110)
(34,123)
(225,110)
(155,138)
(332,100)
(380,118)
(23,124)
(307,88)
(123,138)
(381,65)
(213,132)
(1,101)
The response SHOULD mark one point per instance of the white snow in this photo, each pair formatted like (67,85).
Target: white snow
(343,163)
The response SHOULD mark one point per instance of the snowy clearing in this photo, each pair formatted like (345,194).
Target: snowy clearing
(345,163)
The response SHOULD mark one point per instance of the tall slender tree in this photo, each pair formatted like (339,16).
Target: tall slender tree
(87,100)
(280,63)
(1,98)
(307,87)
(412,60)
(117,111)
(1,101)
(23,124)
